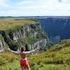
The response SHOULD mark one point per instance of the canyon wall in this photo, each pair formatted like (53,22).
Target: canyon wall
(29,36)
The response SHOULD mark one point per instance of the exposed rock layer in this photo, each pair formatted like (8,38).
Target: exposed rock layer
(28,36)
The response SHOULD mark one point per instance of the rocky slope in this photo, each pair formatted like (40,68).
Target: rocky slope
(58,28)
(29,36)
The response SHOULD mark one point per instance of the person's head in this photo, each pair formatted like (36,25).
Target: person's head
(22,49)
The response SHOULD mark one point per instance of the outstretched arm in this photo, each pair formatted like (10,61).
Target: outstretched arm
(27,52)
(16,52)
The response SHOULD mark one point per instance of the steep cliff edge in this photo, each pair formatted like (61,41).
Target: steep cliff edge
(29,36)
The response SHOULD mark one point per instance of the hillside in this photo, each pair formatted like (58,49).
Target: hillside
(55,58)
(15,33)
(57,27)
(6,24)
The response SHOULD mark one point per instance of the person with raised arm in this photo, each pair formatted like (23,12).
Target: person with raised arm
(24,61)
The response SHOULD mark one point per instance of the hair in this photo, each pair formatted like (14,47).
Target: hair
(22,49)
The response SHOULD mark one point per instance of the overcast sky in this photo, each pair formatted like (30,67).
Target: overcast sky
(34,7)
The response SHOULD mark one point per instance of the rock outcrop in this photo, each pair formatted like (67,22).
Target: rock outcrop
(31,35)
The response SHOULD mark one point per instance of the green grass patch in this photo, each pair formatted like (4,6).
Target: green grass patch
(52,59)
(12,23)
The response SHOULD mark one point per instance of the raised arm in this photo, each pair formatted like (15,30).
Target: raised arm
(28,52)
(16,52)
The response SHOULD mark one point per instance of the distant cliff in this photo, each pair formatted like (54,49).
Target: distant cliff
(58,28)
(29,36)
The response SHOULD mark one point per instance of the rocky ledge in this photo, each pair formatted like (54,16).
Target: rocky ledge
(28,36)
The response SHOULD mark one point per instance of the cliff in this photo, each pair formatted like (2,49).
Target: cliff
(29,36)
(57,28)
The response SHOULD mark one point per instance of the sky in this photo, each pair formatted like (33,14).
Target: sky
(34,7)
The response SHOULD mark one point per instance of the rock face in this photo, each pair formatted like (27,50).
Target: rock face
(58,28)
(28,36)
(2,42)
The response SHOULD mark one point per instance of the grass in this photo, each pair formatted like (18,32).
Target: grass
(55,58)
(11,66)
(9,61)
(12,23)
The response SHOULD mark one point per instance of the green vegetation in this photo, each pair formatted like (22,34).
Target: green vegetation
(1,38)
(55,58)
(12,23)
(10,26)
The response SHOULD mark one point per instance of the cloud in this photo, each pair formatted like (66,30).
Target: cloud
(34,7)
(3,3)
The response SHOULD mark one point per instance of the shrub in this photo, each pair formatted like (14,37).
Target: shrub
(8,57)
(2,60)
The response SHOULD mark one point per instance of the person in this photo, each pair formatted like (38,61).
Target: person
(24,64)
(24,61)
